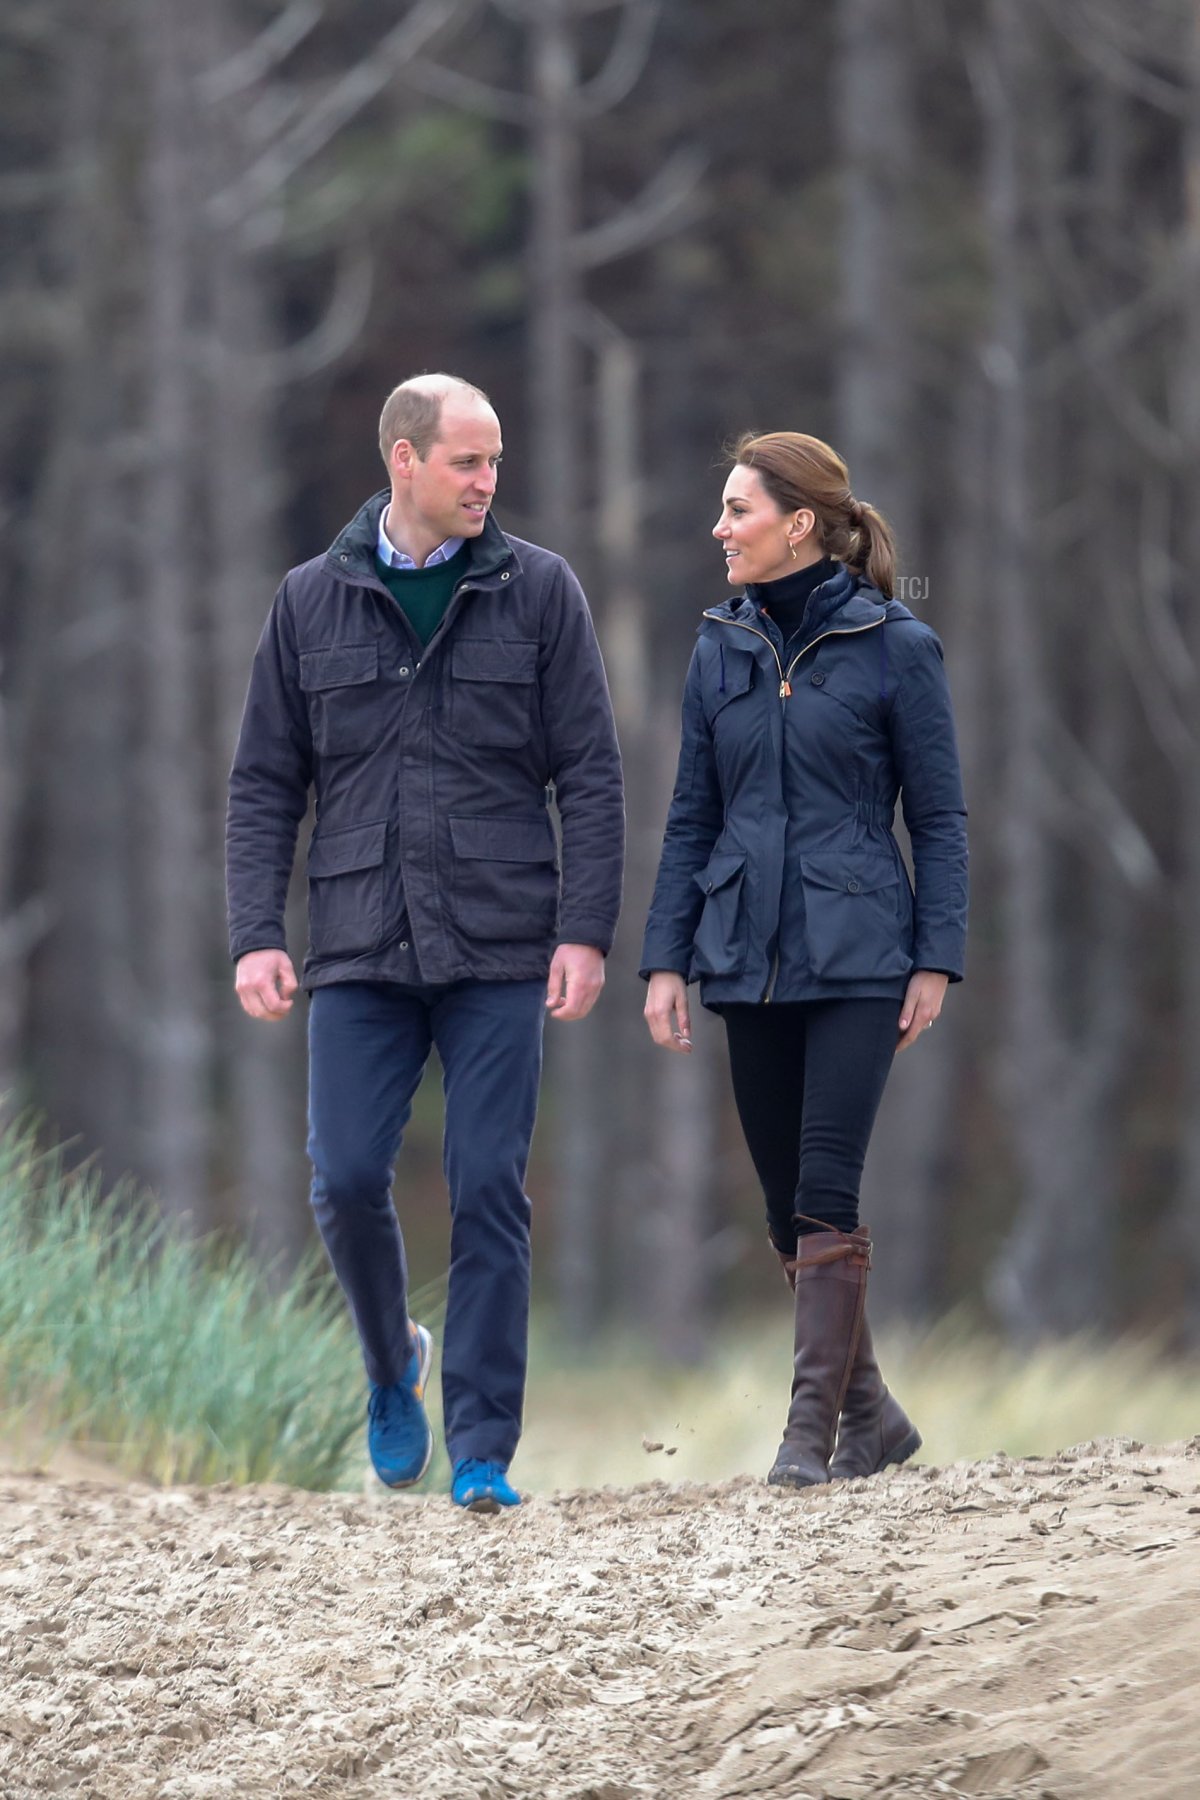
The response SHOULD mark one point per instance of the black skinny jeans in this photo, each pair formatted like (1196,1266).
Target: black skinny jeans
(807,1081)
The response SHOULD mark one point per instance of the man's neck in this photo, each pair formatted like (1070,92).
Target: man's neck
(418,545)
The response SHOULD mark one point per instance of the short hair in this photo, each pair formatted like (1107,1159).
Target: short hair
(414,411)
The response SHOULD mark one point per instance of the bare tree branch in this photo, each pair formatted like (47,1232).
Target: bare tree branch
(1113,62)
(1167,639)
(668,201)
(1098,818)
(1153,434)
(1164,720)
(626,59)
(265,53)
(323,120)
(1116,331)
(336,333)
(473,96)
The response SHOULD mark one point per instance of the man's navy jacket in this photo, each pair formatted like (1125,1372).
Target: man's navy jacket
(780,878)
(433,853)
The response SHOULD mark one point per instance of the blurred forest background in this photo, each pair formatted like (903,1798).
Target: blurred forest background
(958,238)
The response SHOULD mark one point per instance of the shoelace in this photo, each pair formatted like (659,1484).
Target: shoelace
(383,1399)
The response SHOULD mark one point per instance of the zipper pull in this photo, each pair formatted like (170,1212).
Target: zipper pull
(785,689)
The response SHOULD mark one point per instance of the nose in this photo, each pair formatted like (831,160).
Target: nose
(720,529)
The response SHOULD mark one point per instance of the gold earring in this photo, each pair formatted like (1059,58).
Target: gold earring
(792,548)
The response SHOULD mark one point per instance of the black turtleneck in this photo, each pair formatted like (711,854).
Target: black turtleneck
(786,601)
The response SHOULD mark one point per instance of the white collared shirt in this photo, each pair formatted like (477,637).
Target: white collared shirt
(391,558)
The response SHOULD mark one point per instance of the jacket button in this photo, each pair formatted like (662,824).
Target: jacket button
(853,887)
(345,557)
(504,577)
(404,943)
(403,669)
(818,678)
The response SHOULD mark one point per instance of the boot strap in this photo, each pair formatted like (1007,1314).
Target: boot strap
(849,1246)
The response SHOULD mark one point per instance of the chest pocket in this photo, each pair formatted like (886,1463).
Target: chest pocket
(345,705)
(493,691)
(728,676)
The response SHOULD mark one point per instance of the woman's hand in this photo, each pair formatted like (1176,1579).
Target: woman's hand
(667,1011)
(922,1004)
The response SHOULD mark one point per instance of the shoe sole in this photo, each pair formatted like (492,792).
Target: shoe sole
(425,1340)
(904,1449)
(789,1478)
(908,1446)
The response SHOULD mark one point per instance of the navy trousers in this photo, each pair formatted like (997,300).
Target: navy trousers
(368,1045)
(808,1077)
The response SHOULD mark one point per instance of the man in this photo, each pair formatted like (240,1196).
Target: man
(430,677)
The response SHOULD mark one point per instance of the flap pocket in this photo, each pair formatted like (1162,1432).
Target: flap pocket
(503,840)
(723,865)
(493,659)
(343,665)
(729,675)
(353,847)
(850,873)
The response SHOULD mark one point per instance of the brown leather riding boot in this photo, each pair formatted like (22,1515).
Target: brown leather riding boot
(874,1431)
(830,1282)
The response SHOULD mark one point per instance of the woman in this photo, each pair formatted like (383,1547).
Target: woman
(813,701)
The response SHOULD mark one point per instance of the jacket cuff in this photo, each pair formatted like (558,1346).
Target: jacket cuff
(663,967)
(597,934)
(938,962)
(249,942)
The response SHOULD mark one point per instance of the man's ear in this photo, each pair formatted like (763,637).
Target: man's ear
(402,459)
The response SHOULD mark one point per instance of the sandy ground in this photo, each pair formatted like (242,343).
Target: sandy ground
(1007,1629)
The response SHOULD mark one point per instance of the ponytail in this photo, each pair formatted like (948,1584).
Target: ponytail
(800,471)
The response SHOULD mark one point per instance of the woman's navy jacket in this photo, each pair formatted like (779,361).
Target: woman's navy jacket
(780,878)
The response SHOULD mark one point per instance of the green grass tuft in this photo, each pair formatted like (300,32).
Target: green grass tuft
(174,1360)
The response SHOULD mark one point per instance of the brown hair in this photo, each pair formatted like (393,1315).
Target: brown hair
(414,411)
(797,470)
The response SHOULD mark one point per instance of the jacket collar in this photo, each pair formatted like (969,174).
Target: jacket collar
(351,556)
(846,602)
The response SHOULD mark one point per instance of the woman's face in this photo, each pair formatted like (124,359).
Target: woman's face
(757,535)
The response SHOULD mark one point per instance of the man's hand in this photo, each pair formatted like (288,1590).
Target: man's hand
(576,977)
(922,1004)
(667,1011)
(266,982)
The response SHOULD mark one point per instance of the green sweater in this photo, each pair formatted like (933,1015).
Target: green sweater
(424,594)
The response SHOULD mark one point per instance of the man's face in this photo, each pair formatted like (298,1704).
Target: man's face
(449,493)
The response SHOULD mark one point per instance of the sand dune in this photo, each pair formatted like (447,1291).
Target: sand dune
(1001,1629)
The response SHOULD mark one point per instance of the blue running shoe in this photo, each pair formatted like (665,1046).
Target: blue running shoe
(398,1434)
(482,1487)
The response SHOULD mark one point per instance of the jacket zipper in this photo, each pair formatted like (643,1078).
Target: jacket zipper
(785,692)
(784,689)
(785,676)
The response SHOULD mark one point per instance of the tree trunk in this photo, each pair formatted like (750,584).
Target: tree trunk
(1032,1057)
(74,706)
(573,1051)
(878,425)
(263,1066)
(1187,378)
(177,1027)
